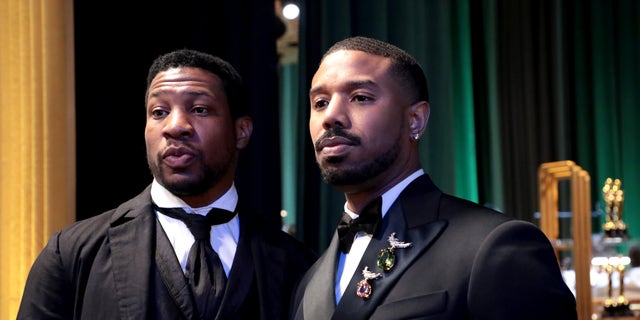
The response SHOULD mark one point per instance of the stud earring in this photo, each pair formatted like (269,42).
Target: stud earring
(415,137)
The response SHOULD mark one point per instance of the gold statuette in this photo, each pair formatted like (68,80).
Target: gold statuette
(613,198)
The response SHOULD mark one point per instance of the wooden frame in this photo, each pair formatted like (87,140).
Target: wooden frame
(549,174)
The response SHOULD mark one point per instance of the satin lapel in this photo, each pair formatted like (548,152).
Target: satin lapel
(131,240)
(420,239)
(240,280)
(319,298)
(416,207)
(351,306)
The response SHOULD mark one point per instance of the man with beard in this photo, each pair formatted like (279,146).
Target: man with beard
(136,261)
(403,249)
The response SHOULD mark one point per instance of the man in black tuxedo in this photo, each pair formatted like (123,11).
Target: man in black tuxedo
(134,262)
(403,249)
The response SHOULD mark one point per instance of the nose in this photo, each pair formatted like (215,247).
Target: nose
(336,114)
(177,124)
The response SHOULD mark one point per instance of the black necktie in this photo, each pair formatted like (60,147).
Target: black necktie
(207,280)
(368,222)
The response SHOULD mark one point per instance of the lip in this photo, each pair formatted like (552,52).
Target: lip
(178,156)
(340,150)
(333,142)
(335,146)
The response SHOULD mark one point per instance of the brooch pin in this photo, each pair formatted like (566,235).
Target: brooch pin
(364,287)
(387,257)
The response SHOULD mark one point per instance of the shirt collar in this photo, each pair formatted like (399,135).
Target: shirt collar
(389,197)
(164,198)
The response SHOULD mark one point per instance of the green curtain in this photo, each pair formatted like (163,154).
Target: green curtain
(289,135)
(513,84)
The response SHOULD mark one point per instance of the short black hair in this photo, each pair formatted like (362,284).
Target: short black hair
(232,83)
(403,65)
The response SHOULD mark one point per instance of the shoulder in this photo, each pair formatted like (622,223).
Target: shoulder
(280,239)
(94,231)
(267,237)
(459,206)
(87,230)
(475,219)
(489,227)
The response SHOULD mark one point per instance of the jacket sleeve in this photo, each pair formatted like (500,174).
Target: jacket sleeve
(47,293)
(516,275)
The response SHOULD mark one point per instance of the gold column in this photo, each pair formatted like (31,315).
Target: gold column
(37,135)
(549,174)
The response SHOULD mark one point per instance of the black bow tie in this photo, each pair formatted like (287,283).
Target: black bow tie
(368,222)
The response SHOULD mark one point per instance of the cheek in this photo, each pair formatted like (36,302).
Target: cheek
(148,137)
(378,130)
(215,137)
(152,146)
(315,128)
(151,134)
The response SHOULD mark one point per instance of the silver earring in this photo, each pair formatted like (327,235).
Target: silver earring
(415,137)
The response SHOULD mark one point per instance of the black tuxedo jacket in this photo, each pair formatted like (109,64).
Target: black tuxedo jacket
(466,262)
(110,267)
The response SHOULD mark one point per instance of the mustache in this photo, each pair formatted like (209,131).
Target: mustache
(336,132)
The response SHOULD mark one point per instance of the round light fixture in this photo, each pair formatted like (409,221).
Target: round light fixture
(290,11)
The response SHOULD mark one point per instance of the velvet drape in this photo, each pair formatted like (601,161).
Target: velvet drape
(513,84)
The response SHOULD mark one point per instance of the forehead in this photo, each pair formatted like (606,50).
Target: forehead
(185,77)
(351,66)
(353,59)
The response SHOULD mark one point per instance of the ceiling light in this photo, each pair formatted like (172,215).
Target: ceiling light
(291,11)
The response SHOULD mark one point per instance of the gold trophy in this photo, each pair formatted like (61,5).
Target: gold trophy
(615,230)
(613,196)
(616,306)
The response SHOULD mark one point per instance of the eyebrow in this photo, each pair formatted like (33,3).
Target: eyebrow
(193,93)
(349,85)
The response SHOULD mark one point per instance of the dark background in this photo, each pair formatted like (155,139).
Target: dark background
(115,44)
(513,84)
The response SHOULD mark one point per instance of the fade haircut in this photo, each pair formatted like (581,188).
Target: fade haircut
(232,84)
(403,66)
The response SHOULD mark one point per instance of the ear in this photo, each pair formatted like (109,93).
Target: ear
(244,128)
(418,119)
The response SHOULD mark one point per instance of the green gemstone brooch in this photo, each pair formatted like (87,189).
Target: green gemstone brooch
(387,257)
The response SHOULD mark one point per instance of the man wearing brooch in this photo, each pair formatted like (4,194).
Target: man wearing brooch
(403,249)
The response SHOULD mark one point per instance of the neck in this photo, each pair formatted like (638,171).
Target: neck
(358,196)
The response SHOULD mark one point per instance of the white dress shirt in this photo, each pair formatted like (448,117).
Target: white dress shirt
(350,261)
(224,237)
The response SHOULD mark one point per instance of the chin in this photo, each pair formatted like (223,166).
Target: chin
(329,161)
(333,176)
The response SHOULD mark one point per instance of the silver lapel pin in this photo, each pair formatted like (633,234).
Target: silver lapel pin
(364,287)
(387,257)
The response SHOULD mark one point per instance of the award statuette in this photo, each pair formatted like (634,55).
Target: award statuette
(613,197)
(615,232)
(616,306)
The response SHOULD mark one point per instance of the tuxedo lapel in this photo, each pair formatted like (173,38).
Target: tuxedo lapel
(172,275)
(420,238)
(350,305)
(131,239)
(319,298)
(416,207)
